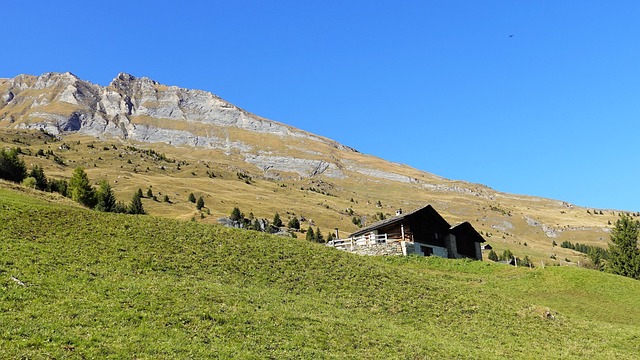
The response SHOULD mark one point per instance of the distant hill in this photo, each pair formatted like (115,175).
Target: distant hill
(234,158)
(83,284)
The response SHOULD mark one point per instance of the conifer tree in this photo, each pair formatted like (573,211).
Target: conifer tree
(311,236)
(41,180)
(319,237)
(12,168)
(276,220)
(136,203)
(106,200)
(80,189)
(493,256)
(192,198)
(624,256)
(200,203)
(235,214)
(294,223)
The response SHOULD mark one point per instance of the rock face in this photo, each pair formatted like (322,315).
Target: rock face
(144,110)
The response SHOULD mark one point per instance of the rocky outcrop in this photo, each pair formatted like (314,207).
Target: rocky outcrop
(144,110)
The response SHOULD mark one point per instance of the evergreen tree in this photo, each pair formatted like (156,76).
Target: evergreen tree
(166,198)
(506,255)
(277,222)
(59,186)
(200,203)
(311,236)
(12,168)
(192,198)
(319,237)
(80,189)
(106,200)
(41,180)
(235,214)
(136,203)
(294,223)
(493,256)
(624,256)
(149,193)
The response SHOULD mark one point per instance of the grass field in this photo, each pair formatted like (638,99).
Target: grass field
(81,284)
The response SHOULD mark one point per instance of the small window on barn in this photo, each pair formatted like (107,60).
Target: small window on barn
(426,250)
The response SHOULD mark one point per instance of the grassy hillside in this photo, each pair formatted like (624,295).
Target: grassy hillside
(81,284)
(525,225)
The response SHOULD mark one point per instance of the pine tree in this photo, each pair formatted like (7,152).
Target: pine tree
(235,214)
(319,237)
(149,193)
(80,189)
(136,203)
(294,223)
(192,198)
(624,256)
(506,255)
(200,203)
(276,220)
(311,236)
(12,168)
(41,180)
(106,200)
(493,256)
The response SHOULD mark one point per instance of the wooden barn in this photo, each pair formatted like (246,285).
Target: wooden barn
(424,231)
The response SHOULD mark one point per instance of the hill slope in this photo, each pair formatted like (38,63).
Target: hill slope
(283,169)
(85,284)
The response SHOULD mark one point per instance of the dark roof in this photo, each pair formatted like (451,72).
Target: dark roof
(398,218)
(469,232)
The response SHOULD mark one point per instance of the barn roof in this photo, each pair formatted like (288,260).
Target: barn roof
(468,230)
(399,218)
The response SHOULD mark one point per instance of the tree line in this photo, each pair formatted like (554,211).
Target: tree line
(78,188)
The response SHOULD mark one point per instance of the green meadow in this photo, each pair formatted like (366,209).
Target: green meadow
(76,283)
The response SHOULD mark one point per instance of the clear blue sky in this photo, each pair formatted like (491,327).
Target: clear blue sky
(439,85)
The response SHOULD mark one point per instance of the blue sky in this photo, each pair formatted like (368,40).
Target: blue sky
(439,85)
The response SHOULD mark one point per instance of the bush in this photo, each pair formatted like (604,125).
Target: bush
(200,203)
(192,198)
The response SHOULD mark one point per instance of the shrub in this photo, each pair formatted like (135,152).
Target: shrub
(200,203)
(192,198)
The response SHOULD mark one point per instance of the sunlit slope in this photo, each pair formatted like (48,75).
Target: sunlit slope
(526,225)
(84,284)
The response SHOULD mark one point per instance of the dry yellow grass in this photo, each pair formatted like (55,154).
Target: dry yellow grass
(506,221)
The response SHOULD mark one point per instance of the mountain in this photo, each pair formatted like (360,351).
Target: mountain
(285,169)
